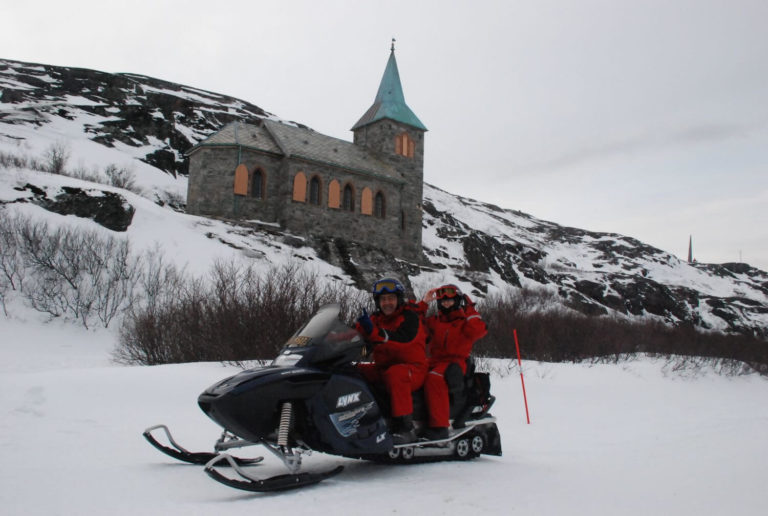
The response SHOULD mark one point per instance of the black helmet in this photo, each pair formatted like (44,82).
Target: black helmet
(388,286)
(450,291)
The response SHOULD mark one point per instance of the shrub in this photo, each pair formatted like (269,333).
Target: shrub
(559,335)
(56,157)
(236,316)
(121,177)
(67,272)
(9,160)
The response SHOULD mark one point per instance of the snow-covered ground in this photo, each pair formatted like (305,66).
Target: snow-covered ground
(629,439)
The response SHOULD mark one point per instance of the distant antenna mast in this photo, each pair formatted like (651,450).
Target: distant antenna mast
(690,249)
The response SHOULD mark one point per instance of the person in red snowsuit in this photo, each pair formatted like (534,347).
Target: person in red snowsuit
(399,352)
(452,333)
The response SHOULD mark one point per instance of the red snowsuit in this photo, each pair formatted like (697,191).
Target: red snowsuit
(451,337)
(399,356)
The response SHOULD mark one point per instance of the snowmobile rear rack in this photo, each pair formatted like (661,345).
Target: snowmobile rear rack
(453,435)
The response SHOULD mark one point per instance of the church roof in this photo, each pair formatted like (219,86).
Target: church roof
(252,136)
(390,101)
(302,143)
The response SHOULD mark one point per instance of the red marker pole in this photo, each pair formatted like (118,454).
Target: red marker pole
(522,381)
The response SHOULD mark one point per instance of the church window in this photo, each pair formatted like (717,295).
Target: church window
(241,180)
(334,194)
(366,202)
(300,187)
(349,198)
(404,145)
(379,206)
(257,184)
(314,190)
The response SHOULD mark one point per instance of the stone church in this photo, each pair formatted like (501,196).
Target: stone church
(312,185)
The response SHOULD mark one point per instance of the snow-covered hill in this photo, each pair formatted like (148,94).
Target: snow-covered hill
(144,125)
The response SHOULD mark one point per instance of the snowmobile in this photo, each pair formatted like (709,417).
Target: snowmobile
(311,398)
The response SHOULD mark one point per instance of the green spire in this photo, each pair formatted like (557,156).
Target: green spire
(390,101)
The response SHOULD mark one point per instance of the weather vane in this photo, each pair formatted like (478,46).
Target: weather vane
(393,45)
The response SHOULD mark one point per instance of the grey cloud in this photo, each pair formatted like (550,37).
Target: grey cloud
(692,135)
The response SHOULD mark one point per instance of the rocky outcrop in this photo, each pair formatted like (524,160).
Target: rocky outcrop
(108,209)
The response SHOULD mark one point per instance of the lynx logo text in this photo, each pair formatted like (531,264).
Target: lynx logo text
(348,399)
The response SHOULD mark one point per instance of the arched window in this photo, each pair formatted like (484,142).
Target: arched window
(404,145)
(334,194)
(366,202)
(349,198)
(300,187)
(379,206)
(241,180)
(314,190)
(257,184)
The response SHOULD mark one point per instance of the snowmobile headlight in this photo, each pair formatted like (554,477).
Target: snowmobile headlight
(287,359)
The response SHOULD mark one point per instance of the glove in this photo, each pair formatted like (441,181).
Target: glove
(365,322)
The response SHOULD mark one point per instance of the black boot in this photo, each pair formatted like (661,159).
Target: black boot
(436,433)
(403,431)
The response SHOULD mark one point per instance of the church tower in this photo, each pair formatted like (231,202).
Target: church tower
(391,131)
(690,249)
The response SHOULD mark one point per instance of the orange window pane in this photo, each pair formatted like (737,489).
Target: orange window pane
(300,187)
(334,194)
(404,145)
(366,202)
(241,180)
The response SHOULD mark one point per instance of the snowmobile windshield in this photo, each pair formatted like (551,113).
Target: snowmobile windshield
(323,338)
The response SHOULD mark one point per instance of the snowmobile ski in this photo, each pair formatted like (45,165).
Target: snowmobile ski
(256,485)
(180,453)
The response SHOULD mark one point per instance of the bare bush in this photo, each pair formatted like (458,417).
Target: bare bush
(11,266)
(84,174)
(564,336)
(237,316)
(121,177)
(56,157)
(16,161)
(73,273)
(11,263)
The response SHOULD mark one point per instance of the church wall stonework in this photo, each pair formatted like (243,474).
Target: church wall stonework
(320,220)
(211,184)
(211,193)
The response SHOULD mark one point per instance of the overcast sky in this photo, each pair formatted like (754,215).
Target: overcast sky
(641,117)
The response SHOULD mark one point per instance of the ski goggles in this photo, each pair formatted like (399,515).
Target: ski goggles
(386,285)
(446,291)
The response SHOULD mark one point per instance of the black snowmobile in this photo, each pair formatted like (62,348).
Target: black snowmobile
(311,398)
